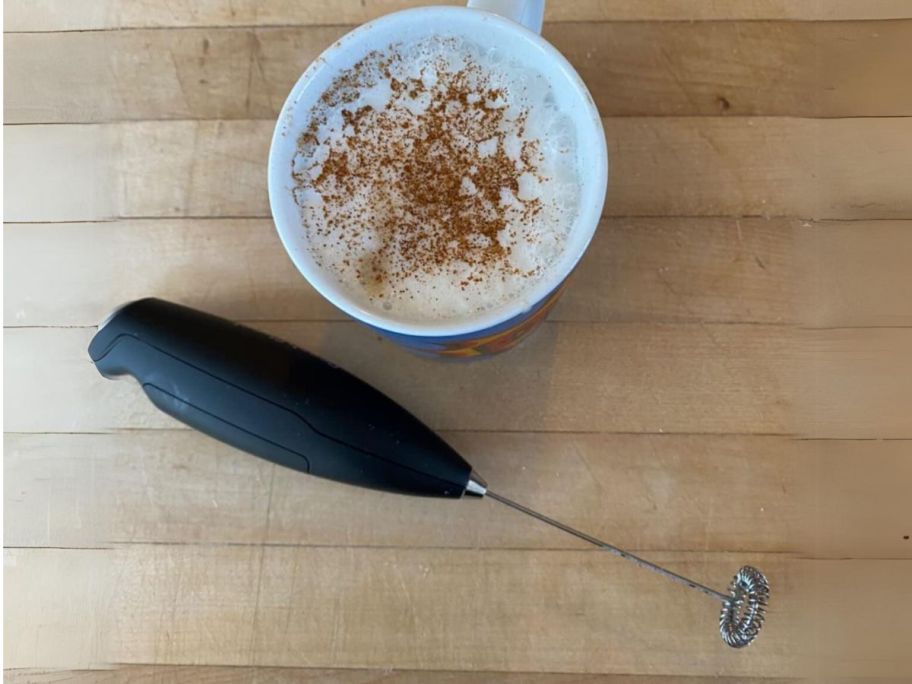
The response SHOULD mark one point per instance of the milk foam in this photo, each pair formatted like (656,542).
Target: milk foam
(349,233)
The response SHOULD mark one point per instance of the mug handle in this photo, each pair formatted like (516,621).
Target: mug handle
(529,13)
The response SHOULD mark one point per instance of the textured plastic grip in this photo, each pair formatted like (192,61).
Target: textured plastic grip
(274,400)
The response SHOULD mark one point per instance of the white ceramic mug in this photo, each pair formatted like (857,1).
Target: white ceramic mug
(511,25)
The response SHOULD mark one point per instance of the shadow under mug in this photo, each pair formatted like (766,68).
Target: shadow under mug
(512,25)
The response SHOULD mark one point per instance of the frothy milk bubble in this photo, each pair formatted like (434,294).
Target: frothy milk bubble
(437,178)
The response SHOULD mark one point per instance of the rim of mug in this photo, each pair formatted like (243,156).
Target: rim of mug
(583,229)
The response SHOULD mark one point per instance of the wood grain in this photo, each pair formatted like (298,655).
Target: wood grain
(632,69)
(74,166)
(58,602)
(700,378)
(859,615)
(643,270)
(401,608)
(663,270)
(747,291)
(859,274)
(60,15)
(849,370)
(813,168)
(629,378)
(440,609)
(712,493)
(828,498)
(863,509)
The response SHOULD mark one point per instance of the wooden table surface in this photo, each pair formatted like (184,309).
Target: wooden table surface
(727,379)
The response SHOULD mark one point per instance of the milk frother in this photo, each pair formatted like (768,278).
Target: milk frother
(281,403)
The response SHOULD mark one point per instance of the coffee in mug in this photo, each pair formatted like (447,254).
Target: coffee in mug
(437,178)
(438,173)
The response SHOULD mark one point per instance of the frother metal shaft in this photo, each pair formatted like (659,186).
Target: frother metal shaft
(643,563)
(743,608)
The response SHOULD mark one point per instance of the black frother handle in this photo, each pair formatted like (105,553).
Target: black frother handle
(274,400)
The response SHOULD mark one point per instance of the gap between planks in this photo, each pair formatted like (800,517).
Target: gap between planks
(657,322)
(614,217)
(349,26)
(108,122)
(114,545)
(133,672)
(58,16)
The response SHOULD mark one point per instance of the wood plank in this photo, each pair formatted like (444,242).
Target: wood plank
(195,73)
(59,602)
(92,490)
(701,378)
(858,383)
(862,504)
(794,167)
(215,674)
(629,378)
(60,15)
(782,271)
(859,273)
(518,611)
(830,498)
(547,611)
(632,69)
(58,172)
(643,270)
(823,168)
(860,614)
(647,492)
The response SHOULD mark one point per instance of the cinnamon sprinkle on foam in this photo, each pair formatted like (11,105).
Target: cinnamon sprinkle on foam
(408,172)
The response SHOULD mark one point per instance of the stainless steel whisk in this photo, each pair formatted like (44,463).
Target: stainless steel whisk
(743,608)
